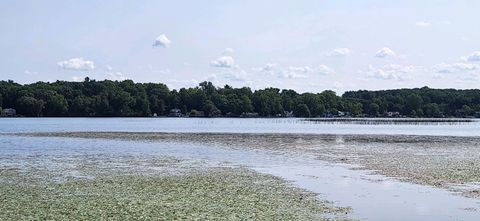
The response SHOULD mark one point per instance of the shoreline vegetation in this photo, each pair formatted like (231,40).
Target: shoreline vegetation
(452,163)
(91,98)
(375,121)
(90,187)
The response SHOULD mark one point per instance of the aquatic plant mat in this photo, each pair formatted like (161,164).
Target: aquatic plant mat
(392,121)
(91,187)
(448,162)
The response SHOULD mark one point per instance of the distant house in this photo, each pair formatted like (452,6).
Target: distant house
(328,115)
(175,113)
(249,115)
(9,112)
(393,114)
(230,114)
(477,115)
(195,113)
(342,114)
(287,114)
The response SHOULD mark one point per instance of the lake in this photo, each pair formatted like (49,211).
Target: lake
(233,125)
(372,196)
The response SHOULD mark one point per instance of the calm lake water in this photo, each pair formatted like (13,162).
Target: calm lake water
(232,125)
(372,197)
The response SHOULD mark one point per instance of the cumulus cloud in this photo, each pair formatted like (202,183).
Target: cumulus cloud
(474,57)
(28,72)
(228,51)
(321,69)
(114,75)
(235,76)
(301,69)
(423,24)
(268,68)
(304,71)
(393,72)
(385,52)
(162,41)
(338,52)
(471,77)
(291,75)
(455,68)
(223,62)
(324,70)
(176,83)
(77,64)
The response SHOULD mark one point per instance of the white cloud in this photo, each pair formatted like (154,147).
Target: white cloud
(77,64)
(30,72)
(321,70)
(393,72)
(338,52)
(269,68)
(164,72)
(291,75)
(474,57)
(324,70)
(116,75)
(455,68)
(304,71)
(223,62)
(385,52)
(228,51)
(235,76)
(471,77)
(423,24)
(301,69)
(293,71)
(162,41)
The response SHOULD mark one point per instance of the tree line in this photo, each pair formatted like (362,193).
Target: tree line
(129,99)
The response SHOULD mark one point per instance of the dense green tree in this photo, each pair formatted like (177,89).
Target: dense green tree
(302,110)
(373,109)
(29,106)
(432,110)
(268,102)
(210,109)
(127,98)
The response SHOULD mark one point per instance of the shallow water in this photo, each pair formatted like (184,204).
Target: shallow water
(372,197)
(232,125)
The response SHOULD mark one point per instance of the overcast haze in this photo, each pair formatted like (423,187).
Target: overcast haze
(302,45)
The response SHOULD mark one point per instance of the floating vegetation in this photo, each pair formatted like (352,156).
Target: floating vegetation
(217,194)
(433,160)
(376,121)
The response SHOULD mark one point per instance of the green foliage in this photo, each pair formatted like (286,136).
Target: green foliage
(29,106)
(420,102)
(432,110)
(373,109)
(127,98)
(302,110)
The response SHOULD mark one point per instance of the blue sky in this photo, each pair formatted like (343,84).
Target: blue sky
(303,45)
